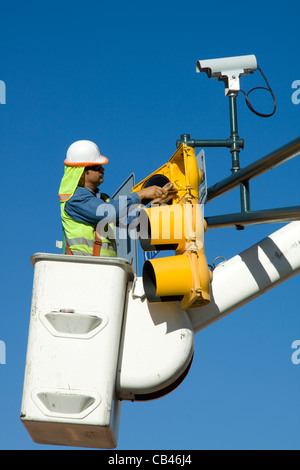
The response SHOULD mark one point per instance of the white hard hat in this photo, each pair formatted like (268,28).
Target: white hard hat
(84,153)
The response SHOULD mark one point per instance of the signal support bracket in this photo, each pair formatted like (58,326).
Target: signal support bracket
(242,176)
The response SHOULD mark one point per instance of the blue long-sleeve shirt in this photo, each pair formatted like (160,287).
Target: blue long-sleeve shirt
(87,207)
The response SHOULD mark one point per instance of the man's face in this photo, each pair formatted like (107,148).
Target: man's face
(94,175)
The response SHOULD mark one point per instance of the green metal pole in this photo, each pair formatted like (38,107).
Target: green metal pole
(255,169)
(235,147)
(186,139)
(235,154)
(245,196)
(267,216)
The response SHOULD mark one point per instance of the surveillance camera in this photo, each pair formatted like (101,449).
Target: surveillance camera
(228,70)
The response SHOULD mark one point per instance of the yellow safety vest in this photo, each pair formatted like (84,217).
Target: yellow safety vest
(83,239)
(80,238)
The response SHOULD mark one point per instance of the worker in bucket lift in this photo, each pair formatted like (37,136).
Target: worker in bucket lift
(83,206)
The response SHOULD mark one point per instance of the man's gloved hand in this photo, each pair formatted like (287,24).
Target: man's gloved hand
(158,195)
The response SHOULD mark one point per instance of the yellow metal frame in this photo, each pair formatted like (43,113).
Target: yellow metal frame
(186,276)
(182,170)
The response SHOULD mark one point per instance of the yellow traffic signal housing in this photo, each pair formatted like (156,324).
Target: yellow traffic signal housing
(177,226)
(182,170)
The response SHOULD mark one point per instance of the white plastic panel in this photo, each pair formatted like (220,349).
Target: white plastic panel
(60,403)
(250,274)
(157,347)
(73,346)
(71,324)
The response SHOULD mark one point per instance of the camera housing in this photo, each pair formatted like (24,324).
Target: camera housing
(228,70)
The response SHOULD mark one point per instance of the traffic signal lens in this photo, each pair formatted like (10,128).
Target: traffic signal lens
(155,180)
(162,228)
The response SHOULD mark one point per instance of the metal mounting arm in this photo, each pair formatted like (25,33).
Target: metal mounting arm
(242,178)
(234,142)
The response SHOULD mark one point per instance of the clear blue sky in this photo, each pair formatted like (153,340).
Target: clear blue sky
(122,74)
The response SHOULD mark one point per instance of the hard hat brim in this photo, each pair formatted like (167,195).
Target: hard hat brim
(103,161)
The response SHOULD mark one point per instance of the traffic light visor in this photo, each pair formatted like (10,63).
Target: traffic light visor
(168,278)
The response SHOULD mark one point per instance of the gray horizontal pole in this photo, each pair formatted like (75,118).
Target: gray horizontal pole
(285,214)
(264,164)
